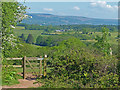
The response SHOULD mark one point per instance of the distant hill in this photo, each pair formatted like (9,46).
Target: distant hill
(49,19)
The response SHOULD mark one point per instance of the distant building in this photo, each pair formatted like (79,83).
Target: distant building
(60,30)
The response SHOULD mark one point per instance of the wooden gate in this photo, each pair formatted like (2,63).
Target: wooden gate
(32,63)
(35,65)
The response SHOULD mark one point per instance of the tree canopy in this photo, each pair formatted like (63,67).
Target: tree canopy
(30,39)
(12,13)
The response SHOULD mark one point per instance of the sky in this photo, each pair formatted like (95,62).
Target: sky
(66,0)
(92,9)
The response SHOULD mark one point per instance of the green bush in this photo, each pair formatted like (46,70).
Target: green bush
(77,66)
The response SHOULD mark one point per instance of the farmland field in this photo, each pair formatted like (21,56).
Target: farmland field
(60,45)
(21,30)
(73,46)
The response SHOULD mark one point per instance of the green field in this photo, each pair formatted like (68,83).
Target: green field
(42,50)
(21,30)
(111,39)
(65,53)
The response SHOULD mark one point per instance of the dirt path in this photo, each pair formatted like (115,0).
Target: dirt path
(25,83)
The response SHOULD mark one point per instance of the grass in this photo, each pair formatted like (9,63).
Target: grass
(35,33)
(12,82)
(20,70)
(19,30)
(111,39)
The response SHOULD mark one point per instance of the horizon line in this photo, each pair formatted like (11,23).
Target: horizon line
(68,15)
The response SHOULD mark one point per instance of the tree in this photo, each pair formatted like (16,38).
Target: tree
(39,40)
(12,13)
(22,37)
(30,39)
(102,42)
(84,31)
(109,34)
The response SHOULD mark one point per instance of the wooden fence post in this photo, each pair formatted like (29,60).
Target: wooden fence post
(40,67)
(45,70)
(24,67)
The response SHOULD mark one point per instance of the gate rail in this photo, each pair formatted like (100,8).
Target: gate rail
(27,59)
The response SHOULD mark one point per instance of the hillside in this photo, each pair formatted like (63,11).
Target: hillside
(49,19)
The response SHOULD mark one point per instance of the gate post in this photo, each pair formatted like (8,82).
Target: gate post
(24,67)
(45,70)
(40,67)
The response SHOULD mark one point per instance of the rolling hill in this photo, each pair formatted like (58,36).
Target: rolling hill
(49,19)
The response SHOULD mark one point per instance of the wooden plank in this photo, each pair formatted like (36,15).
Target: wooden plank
(15,65)
(14,58)
(40,67)
(24,67)
(32,63)
(44,68)
(34,58)
(32,73)
(40,58)
(45,65)
(31,68)
(28,58)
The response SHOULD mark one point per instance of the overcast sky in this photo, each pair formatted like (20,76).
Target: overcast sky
(94,9)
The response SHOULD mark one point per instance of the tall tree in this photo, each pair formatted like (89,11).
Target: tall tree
(102,42)
(22,37)
(39,40)
(12,13)
(30,39)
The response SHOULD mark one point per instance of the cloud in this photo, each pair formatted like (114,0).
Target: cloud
(93,4)
(103,4)
(48,9)
(76,8)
